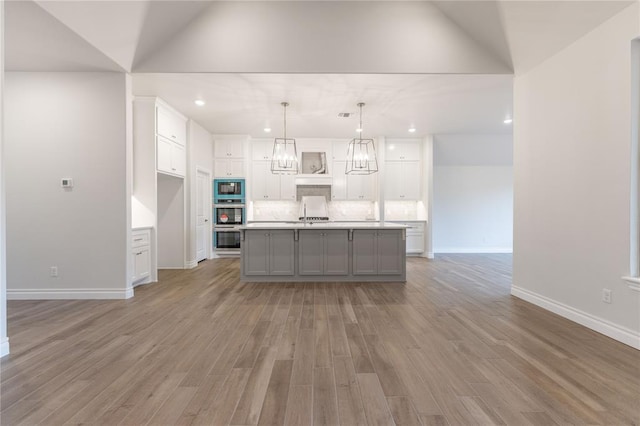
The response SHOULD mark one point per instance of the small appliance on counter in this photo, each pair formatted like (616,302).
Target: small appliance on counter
(313,208)
(228,212)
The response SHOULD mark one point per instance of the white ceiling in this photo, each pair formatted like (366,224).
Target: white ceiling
(442,66)
(247,103)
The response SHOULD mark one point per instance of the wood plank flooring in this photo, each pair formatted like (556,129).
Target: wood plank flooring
(449,347)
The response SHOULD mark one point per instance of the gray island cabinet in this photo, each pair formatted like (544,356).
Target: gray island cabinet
(286,252)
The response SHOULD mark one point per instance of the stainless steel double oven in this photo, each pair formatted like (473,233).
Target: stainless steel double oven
(228,213)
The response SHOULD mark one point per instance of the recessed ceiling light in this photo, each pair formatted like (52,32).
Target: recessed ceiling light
(359,130)
(412,130)
(199,102)
(267,130)
(508,120)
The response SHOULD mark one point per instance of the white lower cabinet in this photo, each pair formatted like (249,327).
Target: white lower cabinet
(415,236)
(141,253)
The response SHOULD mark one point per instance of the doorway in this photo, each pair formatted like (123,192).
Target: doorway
(203,201)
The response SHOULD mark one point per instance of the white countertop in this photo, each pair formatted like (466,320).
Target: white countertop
(323,225)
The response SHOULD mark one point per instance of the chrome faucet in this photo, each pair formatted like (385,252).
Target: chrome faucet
(304,214)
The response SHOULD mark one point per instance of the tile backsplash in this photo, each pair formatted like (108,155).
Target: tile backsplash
(338,210)
(289,210)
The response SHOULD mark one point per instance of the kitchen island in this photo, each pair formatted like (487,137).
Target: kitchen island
(323,251)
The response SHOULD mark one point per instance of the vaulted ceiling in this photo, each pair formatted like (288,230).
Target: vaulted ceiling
(422,63)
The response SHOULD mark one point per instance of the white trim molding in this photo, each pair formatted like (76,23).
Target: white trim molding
(633,283)
(69,293)
(190,264)
(471,250)
(609,329)
(4,346)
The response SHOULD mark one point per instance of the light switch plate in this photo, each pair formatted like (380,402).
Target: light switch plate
(66,183)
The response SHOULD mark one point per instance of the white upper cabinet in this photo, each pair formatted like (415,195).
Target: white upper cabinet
(171,139)
(229,148)
(171,125)
(226,168)
(361,187)
(403,150)
(265,185)
(339,150)
(288,187)
(339,186)
(261,150)
(403,170)
(402,180)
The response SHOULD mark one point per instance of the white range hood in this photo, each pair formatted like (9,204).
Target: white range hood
(308,180)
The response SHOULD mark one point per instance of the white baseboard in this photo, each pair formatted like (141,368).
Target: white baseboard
(190,264)
(609,329)
(171,267)
(430,255)
(471,250)
(69,293)
(4,346)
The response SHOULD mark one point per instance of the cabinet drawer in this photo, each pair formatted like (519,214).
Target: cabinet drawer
(415,227)
(140,238)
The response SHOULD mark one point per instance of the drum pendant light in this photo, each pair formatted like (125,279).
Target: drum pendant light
(361,154)
(285,155)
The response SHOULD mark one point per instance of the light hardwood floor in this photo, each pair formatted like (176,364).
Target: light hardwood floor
(450,346)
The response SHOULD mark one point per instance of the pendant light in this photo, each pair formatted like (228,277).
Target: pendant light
(361,154)
(285,155)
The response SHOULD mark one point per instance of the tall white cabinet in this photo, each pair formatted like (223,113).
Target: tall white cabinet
(403,170)
(159,169)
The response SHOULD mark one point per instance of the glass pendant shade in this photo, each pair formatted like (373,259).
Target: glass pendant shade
(284,160)
(361,154)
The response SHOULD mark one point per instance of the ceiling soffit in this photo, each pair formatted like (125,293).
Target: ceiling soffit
(37,41)
(321,37)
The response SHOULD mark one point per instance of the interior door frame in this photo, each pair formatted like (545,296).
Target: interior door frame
(208,215)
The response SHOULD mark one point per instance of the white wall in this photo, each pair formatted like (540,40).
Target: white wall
(200,156)
(473,194)
(572,181)
(66,125)
(4,340)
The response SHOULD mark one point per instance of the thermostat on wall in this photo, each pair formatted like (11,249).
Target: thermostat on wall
(67,183)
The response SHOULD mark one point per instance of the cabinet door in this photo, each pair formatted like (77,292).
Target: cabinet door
(403,150)
(391,251)
(171,126)
(339,187)
(412,181)
(339,151)
(220,148)
(235,149)
(220,168)
(393,180)
(141,263)
(164,154)
(336,252)
(288,187)
(261,150)
(178,159)
(310,252)
(364,252)
(415,243)
(281,253)
(255,253)
(361,187)
(235,168)
(266,185)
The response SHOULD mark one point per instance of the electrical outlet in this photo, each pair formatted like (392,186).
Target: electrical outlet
(606,295)
(53,271)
